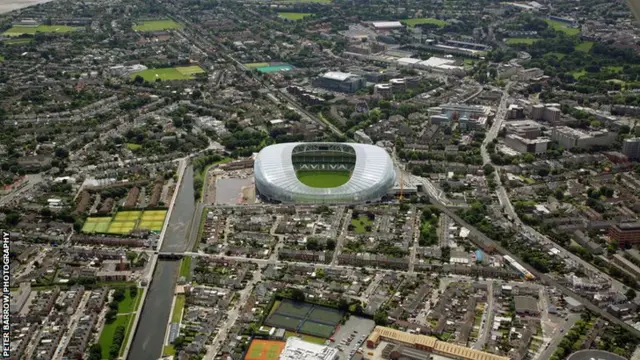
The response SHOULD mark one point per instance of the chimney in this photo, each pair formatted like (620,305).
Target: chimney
(121,268)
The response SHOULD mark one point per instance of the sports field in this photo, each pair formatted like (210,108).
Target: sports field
(152,220)
(256,65)
(323,179)
(18,30)
(125,221)
(121,227)
(559,26)
(264,350)
(304,318)
(317,329)
(420,21)
(527,41)
(96,225)
(176,73)
(293,16)
(156,25)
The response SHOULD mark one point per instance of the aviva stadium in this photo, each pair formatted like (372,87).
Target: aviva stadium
(323,173)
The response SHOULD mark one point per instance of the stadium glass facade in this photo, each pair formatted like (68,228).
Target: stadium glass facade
(372,172)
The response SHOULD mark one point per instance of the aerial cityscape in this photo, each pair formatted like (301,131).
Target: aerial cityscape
(320,179)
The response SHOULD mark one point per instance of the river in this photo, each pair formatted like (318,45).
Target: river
(149,338)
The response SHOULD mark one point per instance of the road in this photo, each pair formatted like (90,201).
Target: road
(73,323)
(503,197)
(482,240)
(417,222)
(232,316)
(341,237)
(34,179)
(487,320)
(557,336)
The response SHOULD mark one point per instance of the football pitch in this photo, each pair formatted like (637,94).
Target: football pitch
(264,350)
(18,30)
(323,179)
(293,16)
(156,25)
(176,73)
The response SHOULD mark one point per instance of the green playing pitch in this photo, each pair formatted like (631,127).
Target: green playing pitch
(156,25)
(323,179)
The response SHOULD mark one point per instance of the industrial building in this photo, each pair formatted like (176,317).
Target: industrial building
(631,148)
(527,145)
(296,349)
(435,64)
(339,81)
(386,25)
(569,138)
(425,345)
(625,233)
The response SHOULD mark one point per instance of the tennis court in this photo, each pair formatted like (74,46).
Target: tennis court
(283,321)
(317,329)
(264,350)
(325,316)
(127,215)
(294,309)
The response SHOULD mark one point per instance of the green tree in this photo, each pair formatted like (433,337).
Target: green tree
(381,317)
(297,295)
(95,352)
(630,294)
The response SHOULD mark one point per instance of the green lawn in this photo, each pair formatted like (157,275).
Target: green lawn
(361,223)
(1,58)
(614,69)
(558,55)
(185,267)
(156,25)
(177,73)
(558,26)
(527,41)
(18,30)
(133,147)
(323,179)
(419,21)
(128,304)
(176,315)
(106,336)
(293,16)
(584,46)
(579,74)
(16,41)
(169,350)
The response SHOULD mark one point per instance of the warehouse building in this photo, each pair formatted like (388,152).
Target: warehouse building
(297,349)
(422,344)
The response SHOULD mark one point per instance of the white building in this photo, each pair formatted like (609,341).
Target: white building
(437,64)
(386,25)
(297,349)
(570,138)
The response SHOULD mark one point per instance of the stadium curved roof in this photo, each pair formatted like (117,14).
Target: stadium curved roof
(594,355)
(373,174)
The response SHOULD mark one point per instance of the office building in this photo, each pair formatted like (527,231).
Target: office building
(551,114)
(521,144)
(570,138)
(537,112)
(383,90)
(625,233)
(527,129)
(631,148)
(339,81)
